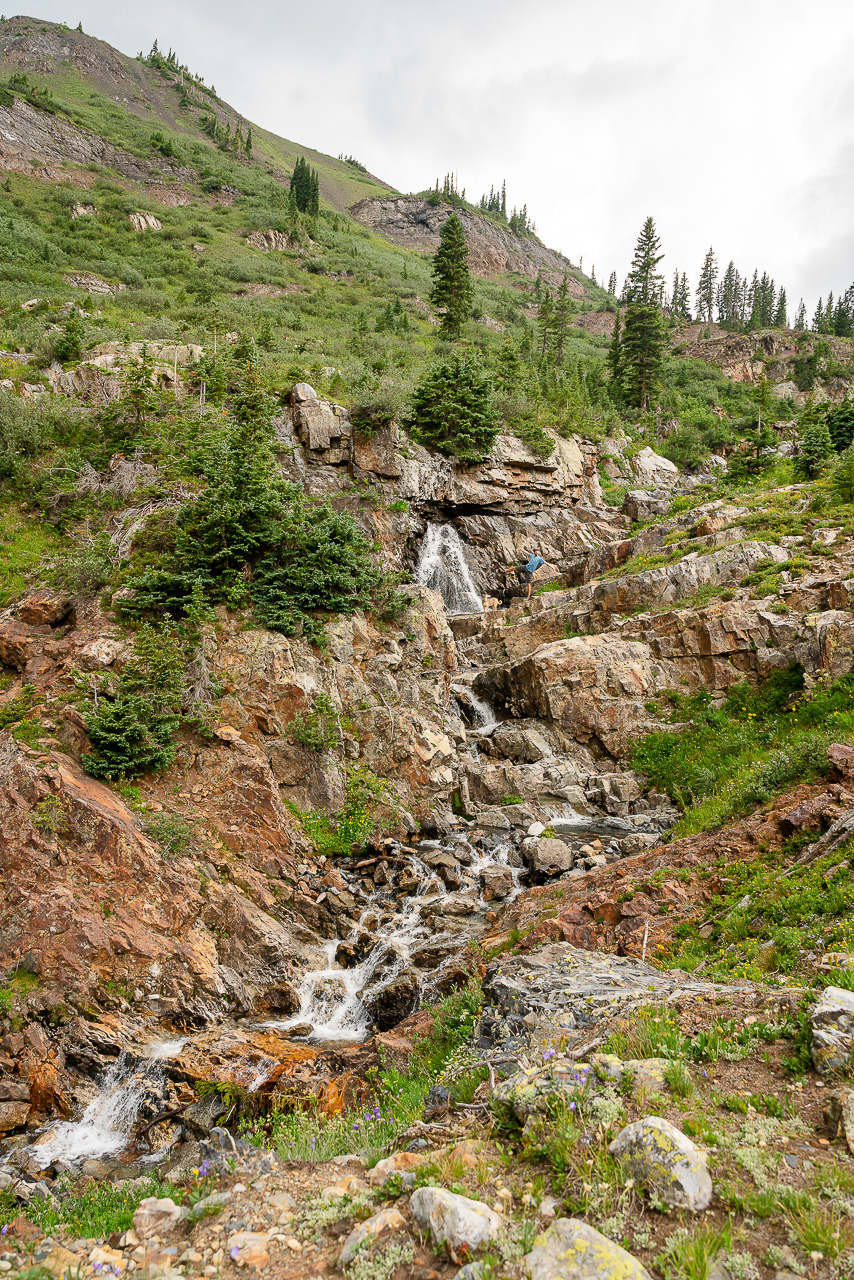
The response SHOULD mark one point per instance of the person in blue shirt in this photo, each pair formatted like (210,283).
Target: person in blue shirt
(525,572)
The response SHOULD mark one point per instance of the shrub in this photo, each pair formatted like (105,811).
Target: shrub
(318,728)
(253,538)
(172,832)
(68,345)
(452,409)
(843,477)
(815,446)
(131,727)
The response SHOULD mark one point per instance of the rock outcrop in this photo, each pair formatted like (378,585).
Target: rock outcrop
(415,223)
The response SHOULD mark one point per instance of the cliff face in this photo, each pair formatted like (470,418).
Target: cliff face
(494,250)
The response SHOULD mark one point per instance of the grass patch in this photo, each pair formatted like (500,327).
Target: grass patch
(717,764)
(96,1212)
(25,545)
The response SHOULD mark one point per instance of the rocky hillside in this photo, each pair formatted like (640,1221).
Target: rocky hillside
(357,908)
(88,78)
(415,223)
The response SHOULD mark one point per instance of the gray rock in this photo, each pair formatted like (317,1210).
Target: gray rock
(662,1158)
(496,882)
(200,1117)
(546,857)
(833,1030)
(573,1250)
(461,1224)
(380,1224)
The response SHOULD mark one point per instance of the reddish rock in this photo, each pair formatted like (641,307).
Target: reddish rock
(45,608)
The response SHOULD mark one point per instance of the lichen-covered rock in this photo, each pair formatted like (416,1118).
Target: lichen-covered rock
(546,856)
(663,1159)
(461,1224)
(380,1224)
(645,1073)
(833,1030)
(536,1090)
(573,1250)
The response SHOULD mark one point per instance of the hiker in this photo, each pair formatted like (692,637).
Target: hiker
(525,572)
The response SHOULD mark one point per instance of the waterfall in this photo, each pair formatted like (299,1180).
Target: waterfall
(106,1126)
(442,566)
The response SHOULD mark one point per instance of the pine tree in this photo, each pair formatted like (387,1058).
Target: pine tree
(781,317)
(801,316)
(313,208)
(545,316)
(706,287)
(560,323)
(614,359)
(249,142)
(818,317)
(643,339)
(504,199)
(612,283)
(452,291)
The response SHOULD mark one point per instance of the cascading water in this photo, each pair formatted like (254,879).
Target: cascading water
(331,996)
(442,566)
(106,1126)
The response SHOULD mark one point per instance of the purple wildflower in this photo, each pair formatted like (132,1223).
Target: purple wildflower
(234,1250)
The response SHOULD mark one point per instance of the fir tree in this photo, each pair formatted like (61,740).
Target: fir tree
(561,320)
(614,358)
(249,142)
(612,283)
(452,409)
(453,291)
(545,316)
(643,340)
(781,318)
(801,316)
(706,288)
(818,317)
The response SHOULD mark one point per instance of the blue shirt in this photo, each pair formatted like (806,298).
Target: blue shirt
(534,563)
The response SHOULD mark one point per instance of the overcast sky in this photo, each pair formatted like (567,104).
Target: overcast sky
(730,121)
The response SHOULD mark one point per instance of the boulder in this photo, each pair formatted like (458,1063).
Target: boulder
(154,1216)
(13,1115)
(653,471)
(642,504)
(249,1249)
(833,1030)
(573,1250)
(380,1224)
(200,1117)
(535,1090)
(663,1159)
(455,1221)
(446,867)
(496,882)
(402,1163)
(546,856)
(45,608)
(393,1001)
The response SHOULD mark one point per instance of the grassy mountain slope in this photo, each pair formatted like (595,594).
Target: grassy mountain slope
(124,100)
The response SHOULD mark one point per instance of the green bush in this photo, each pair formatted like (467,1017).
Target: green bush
(131,726)
(452,409)
(253,538)
(317,728)
(843,477)
(816,446)
(716,763)
(172,832)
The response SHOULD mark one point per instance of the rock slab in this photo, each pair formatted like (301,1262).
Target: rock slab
(833,1030)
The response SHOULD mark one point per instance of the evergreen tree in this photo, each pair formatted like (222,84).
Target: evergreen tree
(815,445)
(801,316)
(453,291)
(504,199)
(313,208)
(249,143)
(706,288)
(545,316)
(781,318)
(453,411)
(560,323)
(644,339)
(818,317)
(614,358)
(612,283)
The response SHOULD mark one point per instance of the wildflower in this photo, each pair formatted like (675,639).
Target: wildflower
(234,1250)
